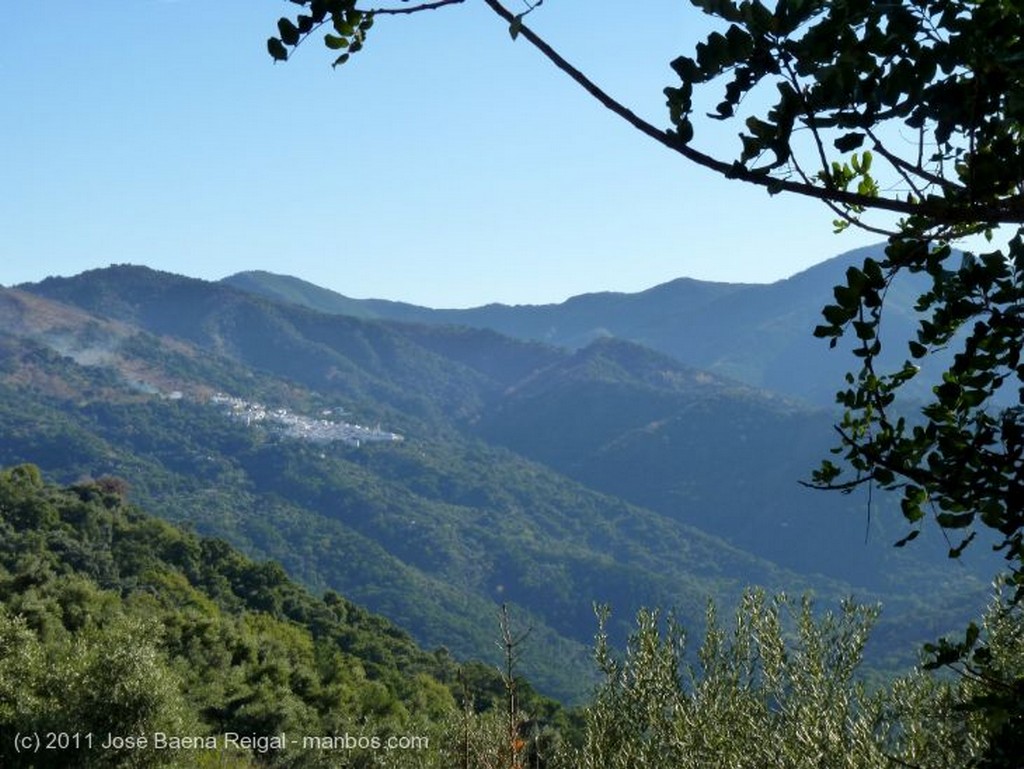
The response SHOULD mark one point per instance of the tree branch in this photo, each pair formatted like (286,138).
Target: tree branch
(906,168)
(846,216)
(970,213)
(412,8)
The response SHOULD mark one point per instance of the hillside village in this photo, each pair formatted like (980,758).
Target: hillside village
(299,426)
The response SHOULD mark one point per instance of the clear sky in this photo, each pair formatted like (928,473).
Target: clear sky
(444,165)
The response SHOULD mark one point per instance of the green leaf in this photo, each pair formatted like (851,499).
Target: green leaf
(856,279)
(760,128)
(849,142)
(335,43)
(913,499)
(684,130)
(909,538)
(289,32)
(848,298)
(276,49)
(516,26)
(955,552)
(686,68)
(955,520)
(865,330)
(836,315)
(948,392)
(883,476)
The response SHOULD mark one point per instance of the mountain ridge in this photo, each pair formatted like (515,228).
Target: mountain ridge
(464,509)
(759,334)
(430,525)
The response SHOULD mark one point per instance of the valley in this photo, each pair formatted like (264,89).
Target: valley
(510,471)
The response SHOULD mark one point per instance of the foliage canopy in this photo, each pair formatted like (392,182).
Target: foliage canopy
(778,687)
(113,622)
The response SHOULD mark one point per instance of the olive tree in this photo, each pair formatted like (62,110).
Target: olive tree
(109,680)
(778,686)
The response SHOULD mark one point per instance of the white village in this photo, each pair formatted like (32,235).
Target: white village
(299,426)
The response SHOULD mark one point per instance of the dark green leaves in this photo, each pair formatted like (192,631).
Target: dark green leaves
(955,520)
(350,27)
(946,80)
(289,32)
(849,142)
(335,43)
(946,652)
(962,463)
(724,9)
(276,49)
(909,538)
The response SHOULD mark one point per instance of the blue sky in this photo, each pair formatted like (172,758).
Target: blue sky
(444,165)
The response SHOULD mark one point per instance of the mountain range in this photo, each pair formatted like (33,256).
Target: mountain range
(631,449)
(759,334)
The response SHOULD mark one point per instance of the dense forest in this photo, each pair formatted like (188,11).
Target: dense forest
(115,623)
(126,641)
(529,475)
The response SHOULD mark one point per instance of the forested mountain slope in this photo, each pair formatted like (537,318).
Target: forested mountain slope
(715,454)
(759,334)
(111,373)
(434,531)
(113,622)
